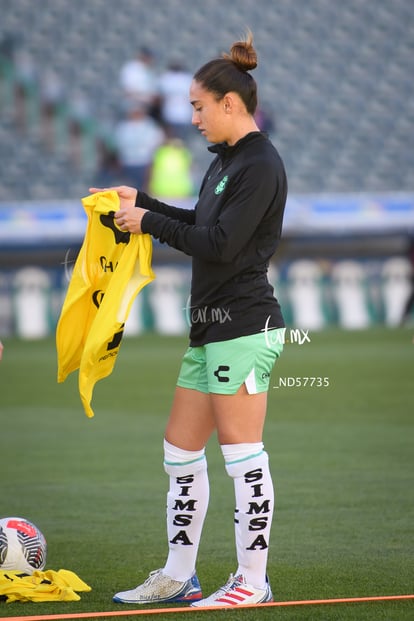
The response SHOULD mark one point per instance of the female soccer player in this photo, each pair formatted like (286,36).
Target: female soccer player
(224,378)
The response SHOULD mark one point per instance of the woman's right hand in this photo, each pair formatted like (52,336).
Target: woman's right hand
(127,195)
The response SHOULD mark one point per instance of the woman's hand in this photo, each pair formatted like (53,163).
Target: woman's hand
(129,217)
(127,195)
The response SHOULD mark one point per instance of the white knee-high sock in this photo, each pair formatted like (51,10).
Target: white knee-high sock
(248,465)
(187,502)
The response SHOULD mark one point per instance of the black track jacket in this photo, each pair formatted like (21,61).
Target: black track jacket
(231,234)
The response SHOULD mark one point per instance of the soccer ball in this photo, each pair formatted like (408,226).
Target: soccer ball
(22,546)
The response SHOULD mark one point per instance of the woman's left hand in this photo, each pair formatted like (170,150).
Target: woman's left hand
(129,219)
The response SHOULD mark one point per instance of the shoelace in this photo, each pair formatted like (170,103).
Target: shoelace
(234,591)
(228,584)
(238,580)
(223,590)
(151,577)
(232,583)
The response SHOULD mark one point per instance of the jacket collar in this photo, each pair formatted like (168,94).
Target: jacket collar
(224,150)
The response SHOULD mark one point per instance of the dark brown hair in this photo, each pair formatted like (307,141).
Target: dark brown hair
(230,73)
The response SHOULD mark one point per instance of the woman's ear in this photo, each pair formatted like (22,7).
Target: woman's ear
(228,103)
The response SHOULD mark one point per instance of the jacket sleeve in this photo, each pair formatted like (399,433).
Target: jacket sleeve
(250,195)
(156,206)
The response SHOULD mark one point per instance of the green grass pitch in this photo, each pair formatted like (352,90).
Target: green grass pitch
(341,455)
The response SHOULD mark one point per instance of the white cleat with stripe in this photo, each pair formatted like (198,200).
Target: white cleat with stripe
(235,593)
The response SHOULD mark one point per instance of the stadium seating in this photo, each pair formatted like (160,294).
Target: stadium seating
(336,76)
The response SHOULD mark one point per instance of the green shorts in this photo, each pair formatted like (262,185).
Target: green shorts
(224,366)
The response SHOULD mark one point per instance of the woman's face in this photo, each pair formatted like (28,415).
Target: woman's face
(209,115)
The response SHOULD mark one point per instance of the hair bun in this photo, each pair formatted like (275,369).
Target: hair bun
(243,54)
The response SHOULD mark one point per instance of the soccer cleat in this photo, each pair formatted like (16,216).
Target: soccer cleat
(159,588)
(236,592)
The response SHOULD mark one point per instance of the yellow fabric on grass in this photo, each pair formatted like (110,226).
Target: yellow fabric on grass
(41,586)
(111,268)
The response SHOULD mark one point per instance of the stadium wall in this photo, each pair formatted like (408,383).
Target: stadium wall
(344,260)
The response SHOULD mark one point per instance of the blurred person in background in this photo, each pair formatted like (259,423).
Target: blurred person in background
(8,44)
(264,120)
(171,170)
(137,137)
(174,85)
(26,85)
(108,171)
(409,305)
(79,119)
(138,80)
(52,97)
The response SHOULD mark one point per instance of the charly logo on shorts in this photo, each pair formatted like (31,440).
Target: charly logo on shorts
(220,187)
(219,373)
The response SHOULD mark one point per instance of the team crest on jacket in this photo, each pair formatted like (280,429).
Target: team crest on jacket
(220,187)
